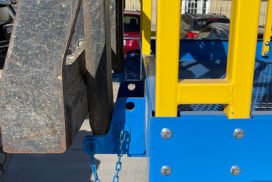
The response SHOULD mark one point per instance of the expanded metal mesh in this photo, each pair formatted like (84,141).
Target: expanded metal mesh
(262,91)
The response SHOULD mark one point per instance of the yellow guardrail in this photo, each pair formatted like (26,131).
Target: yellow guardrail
(146,26)
(234,91)
(267,31)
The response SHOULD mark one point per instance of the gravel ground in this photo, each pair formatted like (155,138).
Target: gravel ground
(73,165)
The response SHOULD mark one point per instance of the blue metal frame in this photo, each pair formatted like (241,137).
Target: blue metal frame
(132,68)
(129,114)
(202,147)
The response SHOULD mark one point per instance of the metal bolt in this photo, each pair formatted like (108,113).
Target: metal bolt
(266,53)
(235,170)
(166,170)
(267,43)
(131,86)
(166,133)
(80,43)
(239,133)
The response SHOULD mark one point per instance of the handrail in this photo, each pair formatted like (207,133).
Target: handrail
(234,91)
(268,30)
(146,26)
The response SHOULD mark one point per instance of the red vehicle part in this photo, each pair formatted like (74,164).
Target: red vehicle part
(131,31)
(191,35)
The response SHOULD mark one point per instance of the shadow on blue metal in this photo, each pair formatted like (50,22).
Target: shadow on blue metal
(131,89)
(204,50)
(132,69)
(129,114)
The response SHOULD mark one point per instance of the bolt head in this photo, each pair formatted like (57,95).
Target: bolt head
(131,86)
(267,43)
(239,133)
(235,170)
(80,43)
(166,133)
(266,53)
(166,170)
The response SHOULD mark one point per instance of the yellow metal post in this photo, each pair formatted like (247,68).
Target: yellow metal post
(167,56)
(234,91)
(268,31)
(146,26)
(241,56)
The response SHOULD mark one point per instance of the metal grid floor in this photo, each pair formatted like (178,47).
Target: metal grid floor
(262,90)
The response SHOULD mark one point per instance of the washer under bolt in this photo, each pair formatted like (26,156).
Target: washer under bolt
(267,43)
(235,170)
(266,53)
(239,133)
(166,133)
(166,170)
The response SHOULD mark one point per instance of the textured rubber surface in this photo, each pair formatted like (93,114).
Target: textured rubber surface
(32,99)
(98,64)
(58,69)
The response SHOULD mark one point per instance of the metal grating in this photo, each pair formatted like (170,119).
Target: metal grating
(262,90)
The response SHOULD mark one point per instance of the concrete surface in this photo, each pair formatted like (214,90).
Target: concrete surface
(73,165)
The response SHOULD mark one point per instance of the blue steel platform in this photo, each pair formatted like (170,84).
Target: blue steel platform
(202,147)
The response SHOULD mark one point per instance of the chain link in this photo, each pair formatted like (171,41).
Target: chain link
(94,170)
(118,167)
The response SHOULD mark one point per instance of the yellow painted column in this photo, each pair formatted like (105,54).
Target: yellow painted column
(241,56)
(268,31)
(146,26)
(167,57)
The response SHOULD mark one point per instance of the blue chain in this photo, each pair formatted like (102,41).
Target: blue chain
(94,170)
(118,166)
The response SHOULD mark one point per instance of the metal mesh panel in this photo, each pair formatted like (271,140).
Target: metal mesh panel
(262,91)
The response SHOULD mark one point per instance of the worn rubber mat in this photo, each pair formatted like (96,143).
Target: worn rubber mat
(58,69)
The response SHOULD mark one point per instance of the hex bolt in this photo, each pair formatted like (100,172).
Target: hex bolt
(235,170)
(267,43)
(266,53)
(239,133)
(166,170)
(166,133)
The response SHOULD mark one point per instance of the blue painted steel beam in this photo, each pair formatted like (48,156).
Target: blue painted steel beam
(129,114)
(203,148)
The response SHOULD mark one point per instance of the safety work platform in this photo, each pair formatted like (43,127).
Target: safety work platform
(207,59)
(209,144)
(200,63)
